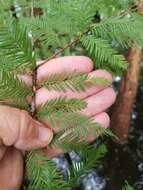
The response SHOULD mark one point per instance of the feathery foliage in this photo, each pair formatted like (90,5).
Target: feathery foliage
(16,46)
(76,128)
(73,82)
(64,114)
(61,105)
(104,55)
(127,187)
(32,30)
(50,178)
(120,30)
(44,174)
(12,89)
(63,81)
(90,158)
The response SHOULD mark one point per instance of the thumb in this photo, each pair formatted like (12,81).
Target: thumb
(19,129)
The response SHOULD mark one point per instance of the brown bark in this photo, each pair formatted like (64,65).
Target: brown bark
(122,110)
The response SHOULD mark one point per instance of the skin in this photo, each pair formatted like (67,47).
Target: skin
(20,132)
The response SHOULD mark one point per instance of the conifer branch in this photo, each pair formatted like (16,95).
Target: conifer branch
(72,81)
(69,45)
(91,157)
(77,39)
(18,51)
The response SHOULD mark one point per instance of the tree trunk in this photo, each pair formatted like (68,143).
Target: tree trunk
(122,110)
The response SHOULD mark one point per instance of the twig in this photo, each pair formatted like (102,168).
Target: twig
(34,75)
(34,88)
(75,41)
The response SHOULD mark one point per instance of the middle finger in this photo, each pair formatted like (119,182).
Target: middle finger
(43,95)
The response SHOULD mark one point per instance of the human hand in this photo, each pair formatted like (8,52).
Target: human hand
(18,131)
(98,98)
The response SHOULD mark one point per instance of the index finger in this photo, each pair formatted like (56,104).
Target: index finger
(67,64)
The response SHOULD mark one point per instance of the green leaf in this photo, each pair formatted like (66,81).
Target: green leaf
(64,81)
(15,45)
(90,158)
(13,89)
(42,28)
(120,30)
(60,105)
(103,54)
(76,128)
(73,82)
(43,173)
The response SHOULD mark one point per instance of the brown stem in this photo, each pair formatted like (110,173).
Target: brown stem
(34,74)
(34,88)
(122,110)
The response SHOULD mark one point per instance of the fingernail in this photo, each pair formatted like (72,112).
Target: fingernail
(45,135)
